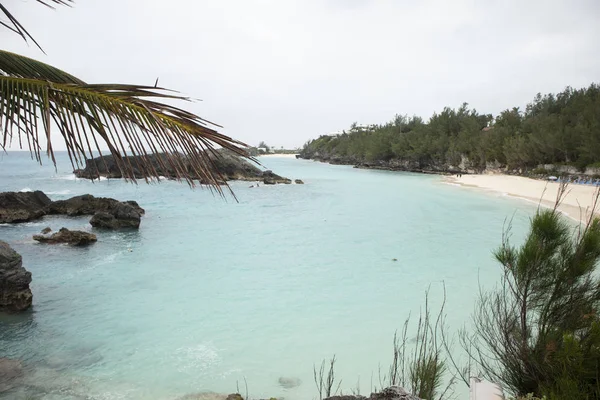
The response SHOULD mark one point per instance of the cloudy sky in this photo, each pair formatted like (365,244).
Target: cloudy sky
(285,71)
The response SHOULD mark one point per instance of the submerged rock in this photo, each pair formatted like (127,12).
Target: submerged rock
(22,206)
(289,383)
(299,182)
(76,238)
(15,294)
(46,230)
(11,374)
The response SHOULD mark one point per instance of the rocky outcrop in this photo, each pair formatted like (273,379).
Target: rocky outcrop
(11,374)
(122,216)
(391,393)
(107,213)
(27,206)
(15,294)
(299,182)
(22,206)
(269,178)
(228,164)
(76,238)
(90,205)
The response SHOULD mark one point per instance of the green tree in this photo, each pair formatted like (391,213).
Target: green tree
(128,119)
(539,331)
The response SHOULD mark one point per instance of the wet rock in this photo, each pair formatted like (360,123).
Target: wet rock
(22,206)
(289,383)
(46,230)
(299,182)
(269,178)
(11,374)
(235,396)
(89,205)
(76,238)
(15,295)
(107,213)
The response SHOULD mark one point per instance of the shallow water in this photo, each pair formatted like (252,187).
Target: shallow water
(210,292)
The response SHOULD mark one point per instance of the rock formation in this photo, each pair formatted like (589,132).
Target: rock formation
(391,393)
(15,294)
(11,374)
(228,164)
(76,238)
(22,206)
(89,205)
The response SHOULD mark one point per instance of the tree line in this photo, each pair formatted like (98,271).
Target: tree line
(561,128)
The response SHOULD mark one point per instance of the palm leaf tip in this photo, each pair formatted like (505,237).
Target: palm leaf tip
(15,26)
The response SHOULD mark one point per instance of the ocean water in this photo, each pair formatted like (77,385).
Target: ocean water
(213,294)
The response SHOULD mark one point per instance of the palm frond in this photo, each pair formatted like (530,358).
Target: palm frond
(14,25)
(128,119)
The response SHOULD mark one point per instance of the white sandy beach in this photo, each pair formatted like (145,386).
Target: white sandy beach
(576,204)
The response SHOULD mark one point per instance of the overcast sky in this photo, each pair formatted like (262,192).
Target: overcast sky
(285,71)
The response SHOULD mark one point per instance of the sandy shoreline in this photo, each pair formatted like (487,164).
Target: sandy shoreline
(576,204)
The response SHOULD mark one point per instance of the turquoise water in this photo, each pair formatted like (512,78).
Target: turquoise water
(211,291)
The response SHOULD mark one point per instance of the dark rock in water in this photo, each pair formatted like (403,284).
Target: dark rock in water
(22,206)
(226,163)
(46,230)
(299,182)
(15,294)
(269,178)
(107,213)
(89,205)
(25,206)
(289,383)
(121,218)
(76,238)
(11,374)
(235,396)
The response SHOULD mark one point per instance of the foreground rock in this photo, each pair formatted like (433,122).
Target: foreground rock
(229,165)
(27,206)
(15,294)
(11,374)
(391,393)
(22,206)
(76,238)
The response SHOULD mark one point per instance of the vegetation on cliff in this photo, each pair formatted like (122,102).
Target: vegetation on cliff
(553,129)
